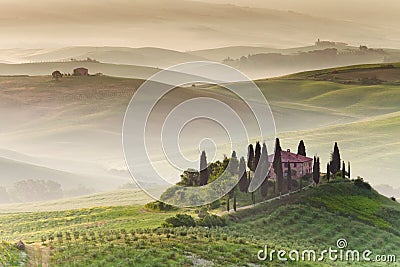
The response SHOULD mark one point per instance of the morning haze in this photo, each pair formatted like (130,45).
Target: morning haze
(189,25)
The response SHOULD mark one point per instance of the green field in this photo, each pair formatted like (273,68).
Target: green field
(115,229)
(131,235)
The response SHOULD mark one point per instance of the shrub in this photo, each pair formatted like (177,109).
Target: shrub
(211,221)
(394,199)
(359,182)
(159,206)
(180,220)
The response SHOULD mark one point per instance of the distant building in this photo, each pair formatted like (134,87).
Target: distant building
(328,44)
(81,72)
(300,165)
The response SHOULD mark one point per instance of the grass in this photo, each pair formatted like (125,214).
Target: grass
(122,197)
(132,236)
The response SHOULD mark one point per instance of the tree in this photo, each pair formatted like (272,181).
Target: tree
(56,75)
(348,170)
(264,189)
(233,164)
(257,155)
(289,177)
(234,200)
(301,149)
(227,203)
(190,177)
(316,171)
(277,164)
(261,173)
(243,182)
(343,170)
(335,160)
(328,172)
(250,158)
(204,172)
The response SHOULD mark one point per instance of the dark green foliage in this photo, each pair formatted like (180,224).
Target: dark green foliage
(264,189)
(257,155)
(233,164)
(234,200)
(217,169)
(289,178)
(328,172)
(159,206)
(394,199)
(348,170)
(35,190)
(262,169)
(180,220)
(360,183)
(335,160)
(343,170)
(301,149)
(250,158)
(243,182)
(190,177)
(227,203)
(204,171)
(211,221)
(278,164)
(316,171)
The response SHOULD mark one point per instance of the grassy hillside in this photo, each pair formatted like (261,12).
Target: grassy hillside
(78,121)
(387,73)
(129,236)
(46,68)
(122,197)
(146,56)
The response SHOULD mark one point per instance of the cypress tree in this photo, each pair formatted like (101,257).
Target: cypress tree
(257,155)
(335,160)
(250,158)
(264,189)
(328,172)
(289,178)
(301,149)
(261,173)
(234,200)
(277,164)
(319,170)
(316,170)
(204,172)
(233,164)
(348,170)
(343,170)
(243,183)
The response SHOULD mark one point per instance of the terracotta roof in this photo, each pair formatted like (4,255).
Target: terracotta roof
(288,156)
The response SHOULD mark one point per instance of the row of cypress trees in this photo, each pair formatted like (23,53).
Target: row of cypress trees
(258,165)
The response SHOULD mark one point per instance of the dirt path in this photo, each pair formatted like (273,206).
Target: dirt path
(265,201)
(39,255)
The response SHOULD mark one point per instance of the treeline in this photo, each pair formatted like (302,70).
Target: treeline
(38,190)
(253,175)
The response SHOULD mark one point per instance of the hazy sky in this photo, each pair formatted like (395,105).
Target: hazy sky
(181,25)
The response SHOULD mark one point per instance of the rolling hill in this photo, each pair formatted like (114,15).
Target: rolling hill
(74,125)
(146,56)
(313,219)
